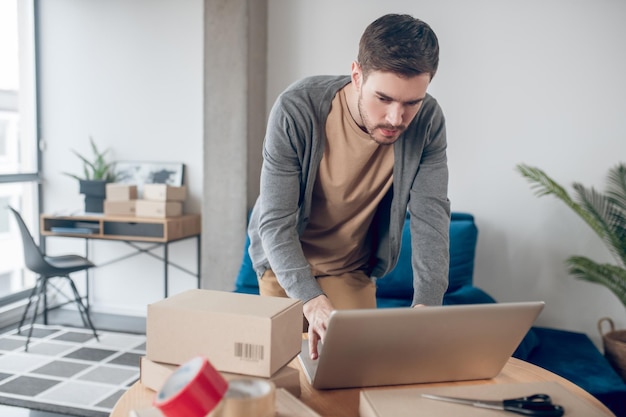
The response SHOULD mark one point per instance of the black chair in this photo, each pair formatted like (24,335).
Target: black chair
(48,267)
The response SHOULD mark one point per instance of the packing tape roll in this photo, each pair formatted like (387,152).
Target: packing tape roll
(193,390)
(247,398)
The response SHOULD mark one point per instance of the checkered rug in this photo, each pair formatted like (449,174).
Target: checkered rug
(67,371)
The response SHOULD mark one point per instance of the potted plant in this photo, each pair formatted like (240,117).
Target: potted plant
(97,172)
(605,213)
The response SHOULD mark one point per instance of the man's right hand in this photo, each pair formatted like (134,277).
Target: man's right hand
(317,312)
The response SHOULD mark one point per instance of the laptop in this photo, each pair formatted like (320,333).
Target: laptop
(376,347)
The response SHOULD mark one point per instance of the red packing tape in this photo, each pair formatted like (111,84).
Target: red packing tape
(193,390)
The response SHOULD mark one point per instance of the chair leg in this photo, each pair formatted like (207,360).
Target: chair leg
(30,301)
(32,321)
(45,302)
(84,313)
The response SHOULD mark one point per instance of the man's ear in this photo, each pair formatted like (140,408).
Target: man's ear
(356,75)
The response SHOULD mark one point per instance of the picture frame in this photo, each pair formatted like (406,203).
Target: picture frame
(150,172)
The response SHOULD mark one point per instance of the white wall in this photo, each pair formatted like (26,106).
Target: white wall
(520,82)
(129,73)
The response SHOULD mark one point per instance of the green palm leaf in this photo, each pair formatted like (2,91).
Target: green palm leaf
(604,213)
(611,276)
(616,186)
(602,209)
(544,185)
(616,193)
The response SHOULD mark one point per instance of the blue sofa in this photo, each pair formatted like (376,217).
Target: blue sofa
(571,355)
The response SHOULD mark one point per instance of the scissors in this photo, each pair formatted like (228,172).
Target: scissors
(534,405)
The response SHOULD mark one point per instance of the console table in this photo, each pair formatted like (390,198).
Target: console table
(160,232)
(345,402)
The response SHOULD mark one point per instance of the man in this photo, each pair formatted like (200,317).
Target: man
(344,158)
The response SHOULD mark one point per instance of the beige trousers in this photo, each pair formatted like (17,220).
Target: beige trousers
(346,291)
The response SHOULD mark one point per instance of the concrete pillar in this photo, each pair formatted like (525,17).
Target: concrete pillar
(235,70)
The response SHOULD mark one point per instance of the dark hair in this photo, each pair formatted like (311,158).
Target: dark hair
(400,44)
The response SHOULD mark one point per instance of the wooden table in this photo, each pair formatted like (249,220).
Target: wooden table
(345,402)
(159,232)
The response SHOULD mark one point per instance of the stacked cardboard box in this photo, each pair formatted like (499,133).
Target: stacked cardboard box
(241,335)
(120,199)
(154,375)
(286,406)
(161,200)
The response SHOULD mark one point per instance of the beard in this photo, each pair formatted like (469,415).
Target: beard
(383,134)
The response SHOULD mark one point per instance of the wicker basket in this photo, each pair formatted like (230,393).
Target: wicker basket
(614,346)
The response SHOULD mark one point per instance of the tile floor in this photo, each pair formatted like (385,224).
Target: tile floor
(71,318)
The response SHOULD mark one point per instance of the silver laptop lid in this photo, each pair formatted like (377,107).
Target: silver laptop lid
(374,347)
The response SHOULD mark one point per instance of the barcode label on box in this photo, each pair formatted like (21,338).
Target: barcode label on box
(248,351)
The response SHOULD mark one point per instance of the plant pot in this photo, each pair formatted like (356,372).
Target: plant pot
(614,347)
(95,193)
(94,205)
(93,188)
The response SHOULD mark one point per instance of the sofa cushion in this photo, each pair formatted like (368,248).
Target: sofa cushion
(573,356)
(463,239)
(396,288)
(467,295)
(527,346)
(398,284)
(246,281)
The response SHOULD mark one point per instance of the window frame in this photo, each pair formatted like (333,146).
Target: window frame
(29,127)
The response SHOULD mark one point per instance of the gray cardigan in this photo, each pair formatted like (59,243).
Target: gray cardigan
(292,152)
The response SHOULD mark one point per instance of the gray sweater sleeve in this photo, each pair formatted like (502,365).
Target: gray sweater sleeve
(286,160)
(429,210)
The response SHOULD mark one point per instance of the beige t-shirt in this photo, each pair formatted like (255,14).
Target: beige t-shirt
(354,175)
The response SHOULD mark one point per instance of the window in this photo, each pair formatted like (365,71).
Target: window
(19,154)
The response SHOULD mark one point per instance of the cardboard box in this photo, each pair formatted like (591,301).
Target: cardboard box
(286,406)
(239,333)
(403,402)
(146,412)
(161,209)
(120,208)
(164,192)
(120,192)
(154,374)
